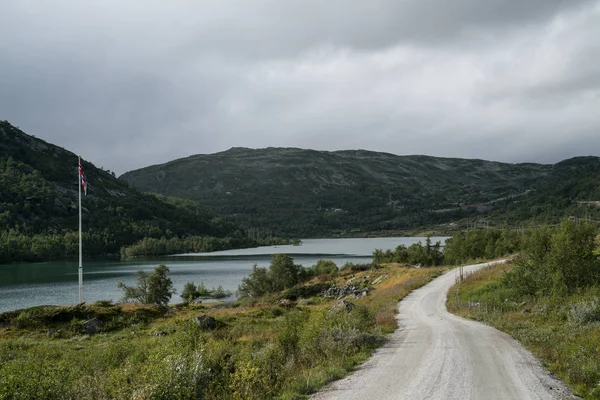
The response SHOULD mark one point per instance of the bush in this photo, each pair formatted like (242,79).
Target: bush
(585,312)
(556,262)
(282,274)
(323,267)
(189,292)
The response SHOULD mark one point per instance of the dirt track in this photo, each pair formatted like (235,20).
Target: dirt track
(437,355)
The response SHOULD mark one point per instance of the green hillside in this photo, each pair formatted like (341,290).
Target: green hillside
(307,193)
(38,206)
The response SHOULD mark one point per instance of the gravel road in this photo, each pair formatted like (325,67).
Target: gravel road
(437,355)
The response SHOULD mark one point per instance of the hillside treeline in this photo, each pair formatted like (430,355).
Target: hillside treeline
(194,244)
(39,216)
(463,247)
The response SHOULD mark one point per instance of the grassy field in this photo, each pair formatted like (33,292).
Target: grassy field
(563,332)
(260,349)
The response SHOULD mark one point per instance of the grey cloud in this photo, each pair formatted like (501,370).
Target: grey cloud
(128,84)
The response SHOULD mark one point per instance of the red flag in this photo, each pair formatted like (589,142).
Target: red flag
(83,178)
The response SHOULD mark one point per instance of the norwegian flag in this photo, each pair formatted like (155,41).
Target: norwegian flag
(83,178)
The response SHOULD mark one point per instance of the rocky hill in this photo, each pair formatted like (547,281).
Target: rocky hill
(38,205)
(307,193)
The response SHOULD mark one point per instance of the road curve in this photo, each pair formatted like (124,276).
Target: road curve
(438,356)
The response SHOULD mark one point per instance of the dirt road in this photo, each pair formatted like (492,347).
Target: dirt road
(437,355)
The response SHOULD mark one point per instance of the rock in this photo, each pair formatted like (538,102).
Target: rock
(54,332)
(376,281)
(341,292)
(205,322)
(91,326)
(286,303)
(342,305)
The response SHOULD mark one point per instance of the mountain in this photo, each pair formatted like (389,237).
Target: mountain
(39,213)
(300,192)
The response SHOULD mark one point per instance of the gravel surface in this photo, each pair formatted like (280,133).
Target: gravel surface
(437,355)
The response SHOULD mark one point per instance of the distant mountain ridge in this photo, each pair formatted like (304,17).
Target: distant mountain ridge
(307,192)
(39,214)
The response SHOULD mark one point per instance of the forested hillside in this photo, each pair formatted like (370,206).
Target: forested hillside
(38,206)
(309,193)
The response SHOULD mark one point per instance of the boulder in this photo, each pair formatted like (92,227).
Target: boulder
(342,305)
(285,303)
(340,292)
(54,332)
(206,322)
(379,279)
(91,326)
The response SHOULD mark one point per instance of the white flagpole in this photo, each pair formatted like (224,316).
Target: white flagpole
(80,242)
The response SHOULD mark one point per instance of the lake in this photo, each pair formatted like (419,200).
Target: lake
(31,284)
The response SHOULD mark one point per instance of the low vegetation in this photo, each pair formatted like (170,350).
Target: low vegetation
(281,345)
(548,299)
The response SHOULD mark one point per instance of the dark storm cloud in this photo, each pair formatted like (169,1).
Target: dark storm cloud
(128,84)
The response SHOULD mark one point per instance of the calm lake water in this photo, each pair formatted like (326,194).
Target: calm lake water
(31,284)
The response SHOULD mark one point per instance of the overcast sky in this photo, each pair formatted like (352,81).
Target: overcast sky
(132,83)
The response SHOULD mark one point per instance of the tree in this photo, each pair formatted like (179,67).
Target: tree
(160,286)
(323,267)
(284,273)
(154,288)
(190,292)
(257,284)
(137,293)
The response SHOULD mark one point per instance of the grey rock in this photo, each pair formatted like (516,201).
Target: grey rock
(286,303)
(54,332)
(342,305)
(379,279)
(341,292)
(91,326)
(206,322)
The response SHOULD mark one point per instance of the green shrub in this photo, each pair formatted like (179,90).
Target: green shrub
(323,267)
(282,274)
(585,312)
(556,262)
(189,292)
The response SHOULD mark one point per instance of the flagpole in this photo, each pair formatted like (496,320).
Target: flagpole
(80,241)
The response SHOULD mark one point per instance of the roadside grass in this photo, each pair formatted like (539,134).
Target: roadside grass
(259,349)
(563,333)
